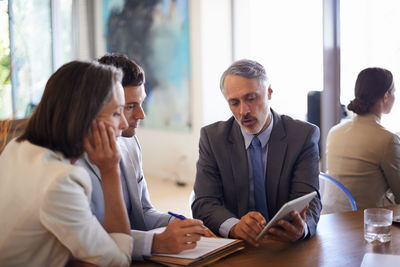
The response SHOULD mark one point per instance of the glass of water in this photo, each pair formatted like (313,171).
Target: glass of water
(378,225)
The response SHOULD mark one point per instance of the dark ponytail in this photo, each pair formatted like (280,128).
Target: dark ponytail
(371,85)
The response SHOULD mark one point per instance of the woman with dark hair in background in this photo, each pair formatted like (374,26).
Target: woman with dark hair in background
(361,153)
(44,200)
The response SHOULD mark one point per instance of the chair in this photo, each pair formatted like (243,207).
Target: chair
(324,178)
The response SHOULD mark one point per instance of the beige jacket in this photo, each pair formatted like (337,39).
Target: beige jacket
(45,212)
(364,157)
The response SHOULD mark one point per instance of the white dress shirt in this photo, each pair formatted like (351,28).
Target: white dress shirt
(45,212)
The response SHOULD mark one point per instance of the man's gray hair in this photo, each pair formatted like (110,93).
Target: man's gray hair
(245,68)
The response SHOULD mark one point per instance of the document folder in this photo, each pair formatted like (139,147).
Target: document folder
(207,251)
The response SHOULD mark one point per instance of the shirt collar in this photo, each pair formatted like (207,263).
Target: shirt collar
(263,136)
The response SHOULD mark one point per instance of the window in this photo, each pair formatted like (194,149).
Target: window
(288,43)
(369,39)
(30,41)
(5,81)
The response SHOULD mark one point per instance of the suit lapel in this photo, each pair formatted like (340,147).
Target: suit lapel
(240,169)
(92,167)
(276,156)
(129,174)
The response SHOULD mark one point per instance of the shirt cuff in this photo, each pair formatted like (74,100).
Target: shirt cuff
(148,243)
(306,231)
(142,243)
(226,226)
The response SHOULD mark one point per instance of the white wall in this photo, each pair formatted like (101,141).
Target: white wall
(217,56)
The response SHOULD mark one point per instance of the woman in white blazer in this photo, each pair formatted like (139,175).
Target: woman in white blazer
(361,153)
(45,200)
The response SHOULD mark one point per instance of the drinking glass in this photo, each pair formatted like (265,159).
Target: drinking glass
(378,225)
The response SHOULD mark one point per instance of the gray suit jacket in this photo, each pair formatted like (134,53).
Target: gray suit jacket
(222,187)
(142,216)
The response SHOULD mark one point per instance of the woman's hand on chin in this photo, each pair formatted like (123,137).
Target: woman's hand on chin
(101,147)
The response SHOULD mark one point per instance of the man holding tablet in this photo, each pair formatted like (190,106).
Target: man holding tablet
(252,164)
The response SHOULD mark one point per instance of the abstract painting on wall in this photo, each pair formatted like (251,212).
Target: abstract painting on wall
(155,33)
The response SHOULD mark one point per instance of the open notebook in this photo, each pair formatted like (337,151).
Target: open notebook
(208,250)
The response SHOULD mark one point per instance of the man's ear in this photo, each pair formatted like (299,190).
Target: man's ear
(270,91)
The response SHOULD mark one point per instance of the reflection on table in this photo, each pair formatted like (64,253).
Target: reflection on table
(339,241)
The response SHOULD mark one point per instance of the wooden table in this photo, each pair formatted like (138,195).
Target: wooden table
(339,241)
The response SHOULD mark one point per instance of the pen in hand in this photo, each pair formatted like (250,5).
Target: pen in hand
(181,217)
(208,233)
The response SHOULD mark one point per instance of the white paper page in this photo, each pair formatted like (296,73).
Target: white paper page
(373,260)
(158,230)
(204,246)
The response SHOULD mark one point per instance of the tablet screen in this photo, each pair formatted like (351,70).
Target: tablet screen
(297,204)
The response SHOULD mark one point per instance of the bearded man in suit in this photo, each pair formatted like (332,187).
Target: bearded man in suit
(179,235)
(240,187)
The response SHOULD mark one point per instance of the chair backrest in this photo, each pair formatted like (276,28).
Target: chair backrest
(326,178)
(10,129)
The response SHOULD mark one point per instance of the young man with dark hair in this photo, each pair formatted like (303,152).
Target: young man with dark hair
(179,235)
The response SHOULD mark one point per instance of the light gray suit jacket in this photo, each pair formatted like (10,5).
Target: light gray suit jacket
(222,182)
(142,216)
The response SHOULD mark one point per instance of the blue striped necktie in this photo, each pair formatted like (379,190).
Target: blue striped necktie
(258,177)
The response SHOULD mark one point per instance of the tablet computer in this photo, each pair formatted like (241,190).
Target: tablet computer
(297,204)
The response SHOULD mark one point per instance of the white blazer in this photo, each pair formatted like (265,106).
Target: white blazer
(45,212)
(365,158)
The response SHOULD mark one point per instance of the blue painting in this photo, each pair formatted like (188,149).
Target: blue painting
(155,33)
